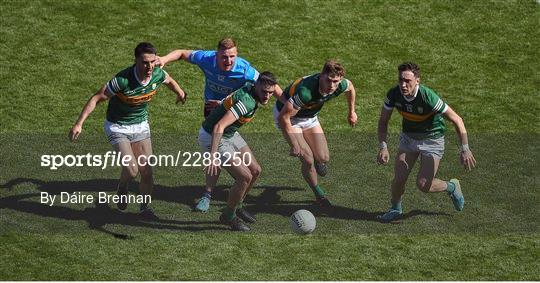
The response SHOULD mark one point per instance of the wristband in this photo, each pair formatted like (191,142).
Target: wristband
(464,147)
(383,145)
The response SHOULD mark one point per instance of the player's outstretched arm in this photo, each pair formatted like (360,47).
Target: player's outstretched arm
(466,157)
(100,96)
(175,87)
(174,56)
(217,133)
(382,131)
(352,118)
(284,120)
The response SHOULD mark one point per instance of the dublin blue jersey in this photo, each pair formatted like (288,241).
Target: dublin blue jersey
(220,83)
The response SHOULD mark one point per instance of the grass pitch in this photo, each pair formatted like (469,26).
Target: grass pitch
(482,57)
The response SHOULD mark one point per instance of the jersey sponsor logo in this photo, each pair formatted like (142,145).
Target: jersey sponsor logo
(219,88)
(136,100)
(312,105)
(414,117)
(318,102)
(323,99)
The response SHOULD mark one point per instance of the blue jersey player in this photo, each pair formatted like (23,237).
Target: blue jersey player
(223,70)
(224,73)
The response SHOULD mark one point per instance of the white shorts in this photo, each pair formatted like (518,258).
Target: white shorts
(230,145)
(117,133)
(302,123)
(428,147)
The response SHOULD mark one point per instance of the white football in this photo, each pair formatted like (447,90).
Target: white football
(303,222)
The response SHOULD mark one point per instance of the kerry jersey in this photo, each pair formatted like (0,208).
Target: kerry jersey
(241,103)
(422,115)
(304,95)
(129,104)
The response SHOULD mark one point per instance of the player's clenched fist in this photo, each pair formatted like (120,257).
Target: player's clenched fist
(383,157)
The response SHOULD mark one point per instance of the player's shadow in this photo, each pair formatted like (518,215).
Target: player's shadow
(270,202)
(418,212)
(99,215)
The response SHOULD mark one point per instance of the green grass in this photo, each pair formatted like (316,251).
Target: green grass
(482,57)
(392,257)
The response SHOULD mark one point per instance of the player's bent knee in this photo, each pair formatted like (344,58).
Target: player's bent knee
(323,158)
(326,159)
(255,171)
(245,178)
(423,185)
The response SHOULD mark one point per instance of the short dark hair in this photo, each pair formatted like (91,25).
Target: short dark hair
(266,79)
(333,68)
(144,48)
(410,66)
(226,43)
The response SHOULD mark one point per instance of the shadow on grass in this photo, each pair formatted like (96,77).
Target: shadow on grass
(270,202)
(100,215)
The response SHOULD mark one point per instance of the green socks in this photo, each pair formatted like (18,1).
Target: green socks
(229,213)
(318,191)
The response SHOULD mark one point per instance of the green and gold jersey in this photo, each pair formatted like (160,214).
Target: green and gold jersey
(304,95)
(241,103)
(421,114)
(129,102)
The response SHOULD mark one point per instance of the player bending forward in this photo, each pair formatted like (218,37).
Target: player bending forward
(224,73)
(219,136)
(422,136)
(297,119)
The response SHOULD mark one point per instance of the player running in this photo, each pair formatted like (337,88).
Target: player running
(422,136)
(297,119)
(219,136)
(224,73)
(126,125)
